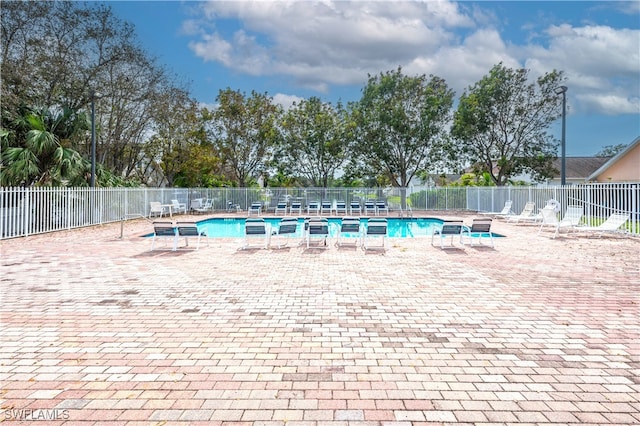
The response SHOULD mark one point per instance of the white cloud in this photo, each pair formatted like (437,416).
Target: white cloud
(286,101)
(323,43)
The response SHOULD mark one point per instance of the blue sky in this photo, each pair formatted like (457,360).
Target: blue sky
(297,49)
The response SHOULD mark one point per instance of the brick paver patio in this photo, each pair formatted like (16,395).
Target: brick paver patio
(96,329)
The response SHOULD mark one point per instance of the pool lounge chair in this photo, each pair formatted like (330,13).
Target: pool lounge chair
(526,215)
(179,207)
(341,208)
(313,208)
(281,208)
(506,210)
(480,228)
(382,208)
(349,230)
(287,229)
(570,220)
(318,229)
(354,208)
(156,208)
(164,230)
(450,229)
(188,230)
(255,208)
(326,207)
(376,229)
(295,208)
(611,225)
(369,208)
(200,205)
(256,229)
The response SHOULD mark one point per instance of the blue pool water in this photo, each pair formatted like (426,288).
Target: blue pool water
(397,227)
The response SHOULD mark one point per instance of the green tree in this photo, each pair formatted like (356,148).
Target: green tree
(610,150)
(314,141)
(501,124)
(38,151)
(401,124)
(245,130)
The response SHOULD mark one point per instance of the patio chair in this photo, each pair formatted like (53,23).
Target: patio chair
(611,225)
(326,207)
(200,205)
(354,208)
(506,210)
(526,215)
(156,208)
(318,229)
(313,208)
(451,229)
(341,208)
(256,229)
(369,208)
(179,207)
(188,230)
(382,208)
(255,208)
(281,208)
(164,230)
(349,229)
(570,220)
(295,208)
(287,229)
(480,228)
(233,207)
(376,229)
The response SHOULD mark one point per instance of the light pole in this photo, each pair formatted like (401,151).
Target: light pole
(94,95)
(563,161)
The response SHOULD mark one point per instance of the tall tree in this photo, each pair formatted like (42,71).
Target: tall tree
(501,124)
(245,130)
(314,141)
(401,124)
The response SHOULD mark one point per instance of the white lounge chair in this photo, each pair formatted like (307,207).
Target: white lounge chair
(369,208)
(156,208)
(256,229)
(326,208)
(376,228)
(382,208)
(570,220)
(281,208)
(480,228)
(451,229)
(526,215)
(287,229)
(318,229)
(179,207)
(611,225)
(255,208)
(313,208)
(506,210)
(341,208)
(354,208)
(295,208)
(349,229)
(188,230)
(164,230)
(200,205)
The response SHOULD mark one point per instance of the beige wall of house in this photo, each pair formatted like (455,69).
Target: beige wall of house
(626,169)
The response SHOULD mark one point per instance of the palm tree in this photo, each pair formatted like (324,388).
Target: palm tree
(42,153)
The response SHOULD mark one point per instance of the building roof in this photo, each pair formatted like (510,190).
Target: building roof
(579,167)
(613,160)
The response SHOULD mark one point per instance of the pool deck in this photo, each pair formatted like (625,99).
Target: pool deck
(96,329)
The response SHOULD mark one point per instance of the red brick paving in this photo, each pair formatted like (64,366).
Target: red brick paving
(535,331)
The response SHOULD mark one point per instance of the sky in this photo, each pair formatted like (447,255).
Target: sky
(293,50)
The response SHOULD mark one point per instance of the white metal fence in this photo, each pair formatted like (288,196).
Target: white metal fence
(27,211)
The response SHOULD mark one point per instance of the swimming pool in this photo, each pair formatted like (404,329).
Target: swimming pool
(397,227)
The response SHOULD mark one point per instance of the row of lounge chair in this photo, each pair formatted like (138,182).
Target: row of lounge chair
(456,229)
(315,232)
(317,208)
(572,219)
